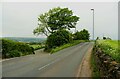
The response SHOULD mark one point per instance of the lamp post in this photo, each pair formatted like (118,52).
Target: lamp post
(93,22)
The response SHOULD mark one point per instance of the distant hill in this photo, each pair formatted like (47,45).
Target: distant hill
(26,39)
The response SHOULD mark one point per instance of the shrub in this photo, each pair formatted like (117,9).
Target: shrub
(15,49)
(82,35)
(104,38)
(13,53)
(58,38)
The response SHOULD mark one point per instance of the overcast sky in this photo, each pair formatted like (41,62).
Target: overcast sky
(19,19)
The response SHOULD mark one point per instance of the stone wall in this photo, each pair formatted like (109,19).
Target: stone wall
(107,66)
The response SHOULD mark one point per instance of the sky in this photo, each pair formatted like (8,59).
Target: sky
(20,18)
(0,19)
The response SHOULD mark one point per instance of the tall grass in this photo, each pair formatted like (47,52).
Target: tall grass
(111,48)
(95,70)
(66,45)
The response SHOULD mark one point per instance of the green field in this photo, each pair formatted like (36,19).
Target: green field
(111,48)
(36,47)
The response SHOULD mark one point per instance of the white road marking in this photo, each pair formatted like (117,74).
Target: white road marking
(54,61)
(48,64)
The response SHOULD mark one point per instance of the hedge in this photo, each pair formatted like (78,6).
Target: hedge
(12,48)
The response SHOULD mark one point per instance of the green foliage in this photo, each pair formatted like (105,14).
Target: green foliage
(95,70)
(13,53)
(14,49)
(35,43)
(36,47)
(55,19)
(75,42)
(62,19)
(82,35)
(58,38)
(0,44)
(54,24)
(110,47)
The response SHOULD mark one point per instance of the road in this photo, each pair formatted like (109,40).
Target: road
(64,63)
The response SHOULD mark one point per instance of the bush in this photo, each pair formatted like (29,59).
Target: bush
(58,38)
(13,53)
(104,38)
(15,49)
(82,35)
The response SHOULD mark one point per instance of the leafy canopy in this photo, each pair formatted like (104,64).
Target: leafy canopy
(63,19)
(55,19)
(58,38)
(82,35)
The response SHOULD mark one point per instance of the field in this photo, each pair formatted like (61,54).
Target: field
(26,39)
(36,47)
(32,42)
(111,48)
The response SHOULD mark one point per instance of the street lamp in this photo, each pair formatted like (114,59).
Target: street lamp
(93,22)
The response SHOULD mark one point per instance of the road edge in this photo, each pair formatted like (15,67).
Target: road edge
(85,61)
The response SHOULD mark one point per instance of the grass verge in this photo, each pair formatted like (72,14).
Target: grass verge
(95,70)
(66,45)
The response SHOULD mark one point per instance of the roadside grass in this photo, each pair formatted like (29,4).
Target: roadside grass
(110,47)
(66,45)
(95,70)
(112,43)
(36,47)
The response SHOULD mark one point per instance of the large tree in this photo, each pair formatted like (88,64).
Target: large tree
(55,19)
